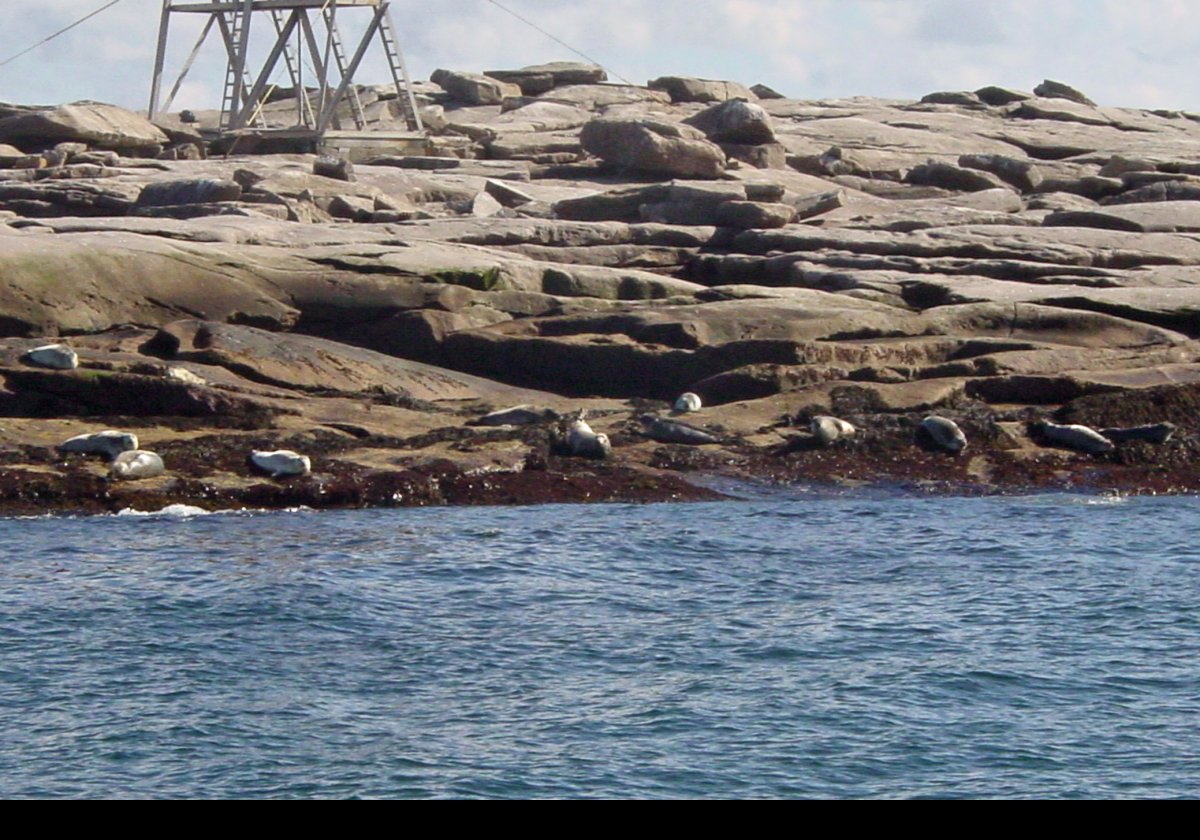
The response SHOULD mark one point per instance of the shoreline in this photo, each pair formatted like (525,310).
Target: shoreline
(999,259)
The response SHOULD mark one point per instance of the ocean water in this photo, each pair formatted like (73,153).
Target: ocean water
(795,644)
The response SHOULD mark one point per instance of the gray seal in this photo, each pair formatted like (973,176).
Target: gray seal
(575,438)
(109,443)
(673,431)
(1153,433)
(1081,438)
(945,433)
(518,415)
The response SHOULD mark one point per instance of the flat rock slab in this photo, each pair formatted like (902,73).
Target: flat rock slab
(306,363)
(1158,216)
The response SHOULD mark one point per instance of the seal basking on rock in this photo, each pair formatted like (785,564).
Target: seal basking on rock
(1082,438)
(55,356)
(1154,433)
(137,463)
(673,431)
(109,443)
(827,429)
(575,437)
(687,403)
(518,415)
(945,433)
(281,462)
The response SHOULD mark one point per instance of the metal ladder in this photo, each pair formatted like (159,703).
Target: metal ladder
(408,105)
(293,68)
(235,89)
(339,57)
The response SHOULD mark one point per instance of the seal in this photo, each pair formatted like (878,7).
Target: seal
(687,403)
(54,356)
(137,463)
(673,431)
(518,415)
(945,433)
(280,462)
(1081,438)
(827,429)
(109,443)
(1153,433)
(585,443)
(182,374)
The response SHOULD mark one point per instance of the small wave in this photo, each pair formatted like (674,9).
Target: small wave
(181,511)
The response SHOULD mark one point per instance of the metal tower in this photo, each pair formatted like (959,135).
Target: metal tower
(305,33)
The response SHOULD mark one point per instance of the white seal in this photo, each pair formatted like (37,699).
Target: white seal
(137,463)
(56,356)
(281,462)
(687,403)
(945,433)
(109,442)
(827,429)
(1081,438)
(182,374)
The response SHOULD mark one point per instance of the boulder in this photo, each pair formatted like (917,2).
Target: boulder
(188,191)
(1057,90)
(951,177)
(1022,174)
(754,214)
(95,123)
(761,156)
(474,88)
(996,96)
(653,146)
(735,121)
(689,89)
(539,78)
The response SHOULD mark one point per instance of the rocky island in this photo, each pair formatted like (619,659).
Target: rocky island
(836,283)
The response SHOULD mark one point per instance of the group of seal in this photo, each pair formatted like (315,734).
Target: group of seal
(129,462)
(126,460)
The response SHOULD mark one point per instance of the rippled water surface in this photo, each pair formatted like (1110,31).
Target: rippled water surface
(796,645)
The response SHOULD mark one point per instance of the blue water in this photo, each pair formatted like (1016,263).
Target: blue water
(794,645)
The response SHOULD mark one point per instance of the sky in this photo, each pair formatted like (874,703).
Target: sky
(1118,52)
